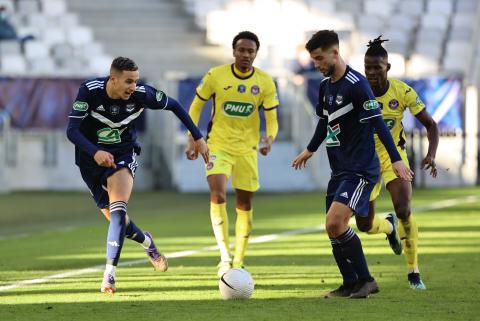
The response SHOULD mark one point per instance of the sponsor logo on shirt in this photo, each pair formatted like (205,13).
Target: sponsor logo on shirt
(227,87)
(370,105)
(238,109)
(389,122)
(332,139)
(109,135)
(393,104)
(100,108)
(80,105)
(418,101)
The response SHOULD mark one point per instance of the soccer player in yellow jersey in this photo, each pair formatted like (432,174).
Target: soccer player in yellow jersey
(238,91)
(395,97)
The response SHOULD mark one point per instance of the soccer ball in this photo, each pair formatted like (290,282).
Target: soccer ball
(236,284)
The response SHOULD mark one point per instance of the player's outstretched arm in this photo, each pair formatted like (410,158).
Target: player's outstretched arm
(399,167)
(432,134)
(318,137)
(301,160)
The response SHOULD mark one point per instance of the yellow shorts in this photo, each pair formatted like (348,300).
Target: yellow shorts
(242,168)
(386,171)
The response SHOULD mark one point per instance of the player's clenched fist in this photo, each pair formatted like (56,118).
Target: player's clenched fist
(104,159)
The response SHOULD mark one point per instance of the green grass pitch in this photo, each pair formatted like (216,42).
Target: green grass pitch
(44,234)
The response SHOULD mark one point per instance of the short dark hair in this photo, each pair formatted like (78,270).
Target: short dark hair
(123,63)
(375,48)
(246,35)
(323,39)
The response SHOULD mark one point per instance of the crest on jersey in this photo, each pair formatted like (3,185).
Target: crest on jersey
(114,110)
(80,105)
(159,95)
(330,100)
(370,104)
(255,90)
(332,133)
(418,101)
(129,107)
(339,99)
(241,88)
(393,104)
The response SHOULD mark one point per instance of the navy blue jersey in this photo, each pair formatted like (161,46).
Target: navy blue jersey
(346,106)
(110,123)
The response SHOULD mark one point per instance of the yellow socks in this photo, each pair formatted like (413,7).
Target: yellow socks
(380,225)
(219,218)
(243,228)
(409,234)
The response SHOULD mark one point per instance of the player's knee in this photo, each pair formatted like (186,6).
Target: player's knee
(333,227)
(402,211)
(218,197)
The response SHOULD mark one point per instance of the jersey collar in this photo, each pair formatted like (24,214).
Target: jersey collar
(240,75)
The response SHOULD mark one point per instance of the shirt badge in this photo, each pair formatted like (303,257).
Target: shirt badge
(130,107)
(241,88)
(114,110)
(255,90)
(393,104)
(339,99)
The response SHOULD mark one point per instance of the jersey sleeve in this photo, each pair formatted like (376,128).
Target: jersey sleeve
(413,101)
(320,109)
(364,100)
(81,106)
(271,96)
(205,89)
(155,98)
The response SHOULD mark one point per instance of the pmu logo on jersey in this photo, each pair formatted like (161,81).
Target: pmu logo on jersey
(370,104)
(241,88)
(393,104)
(389,122)
(332,133)
(238,109)
(255,90)
(80,105)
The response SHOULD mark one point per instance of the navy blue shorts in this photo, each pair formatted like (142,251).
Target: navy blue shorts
(96,176)
(353,191)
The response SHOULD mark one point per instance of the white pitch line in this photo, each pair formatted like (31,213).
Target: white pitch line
(254,240)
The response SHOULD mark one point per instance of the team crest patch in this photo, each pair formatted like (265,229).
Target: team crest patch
(129,107)
(255,90)
(330,99)
(80,105)
(114,110)
(159,95)
(209,166)
(393,104)
(339,99)
(370,105)
(241,88)
(418,101)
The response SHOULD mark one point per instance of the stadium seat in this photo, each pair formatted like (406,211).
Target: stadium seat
(374,7)
(411,7)
(456,65)
(435,21)
(54,7)
(326,6)
(466,6)
(349,6)
(99,65)
(10,47)
(420,65)
(79,36)
(13,64)
(36,49)
(443,7)
(52,36)
(27,7)
(370,23)
(44,66)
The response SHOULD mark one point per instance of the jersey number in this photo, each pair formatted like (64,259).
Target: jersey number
(109,136)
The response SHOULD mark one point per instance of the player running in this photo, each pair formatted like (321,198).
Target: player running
(395,97)
(102,127)
(349,114)
(238,91)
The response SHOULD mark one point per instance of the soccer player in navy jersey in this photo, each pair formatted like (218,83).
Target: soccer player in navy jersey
(102,127)
(349,114)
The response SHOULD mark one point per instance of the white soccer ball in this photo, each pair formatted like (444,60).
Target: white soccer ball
(236,284)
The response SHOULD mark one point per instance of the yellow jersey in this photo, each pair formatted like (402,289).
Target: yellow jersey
(393,104)
(237,98)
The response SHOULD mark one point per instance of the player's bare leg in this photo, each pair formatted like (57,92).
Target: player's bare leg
(401,194)
(243,226)
(219,217)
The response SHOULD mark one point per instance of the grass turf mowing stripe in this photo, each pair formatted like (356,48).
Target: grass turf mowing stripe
(254,240)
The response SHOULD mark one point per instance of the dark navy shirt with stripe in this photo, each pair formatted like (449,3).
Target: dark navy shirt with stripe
(109,124)
(346,106)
